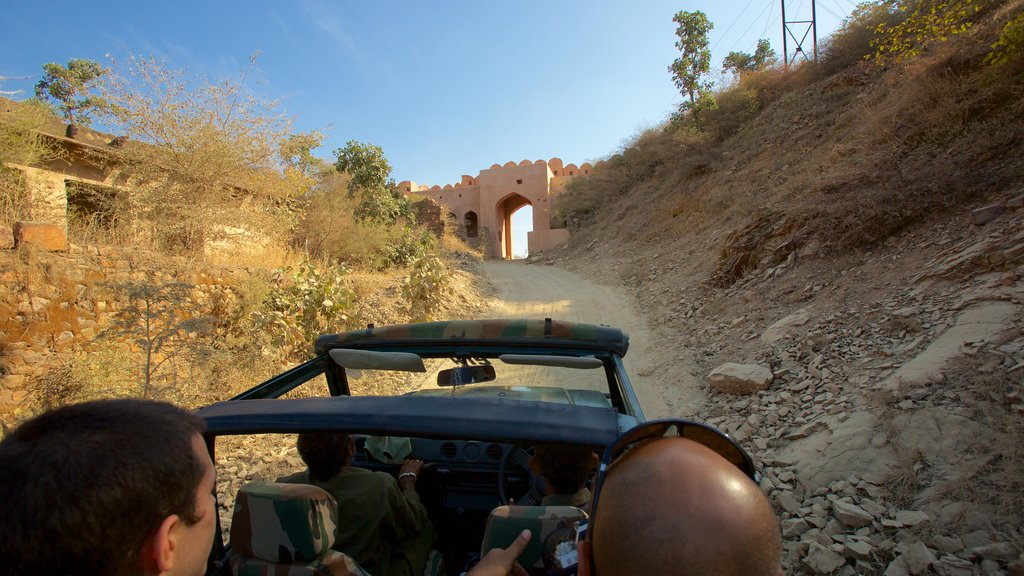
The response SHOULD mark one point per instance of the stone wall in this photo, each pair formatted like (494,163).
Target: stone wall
(496,192)
(430,215)
(55,305)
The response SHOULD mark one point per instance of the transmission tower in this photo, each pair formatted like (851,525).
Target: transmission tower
(790,29)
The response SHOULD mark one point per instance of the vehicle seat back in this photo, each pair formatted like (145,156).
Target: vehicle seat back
(286,530)
(548,524)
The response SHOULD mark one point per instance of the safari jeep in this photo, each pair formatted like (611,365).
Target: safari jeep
(469,398)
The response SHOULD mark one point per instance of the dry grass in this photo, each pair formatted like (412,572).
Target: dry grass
(852,152)
(907,479)
(995,476)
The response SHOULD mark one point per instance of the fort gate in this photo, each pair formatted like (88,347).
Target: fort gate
(483,206)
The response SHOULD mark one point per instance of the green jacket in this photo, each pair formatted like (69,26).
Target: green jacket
(375,516)
(579,499)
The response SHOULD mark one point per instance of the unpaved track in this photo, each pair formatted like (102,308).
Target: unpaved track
(664,385)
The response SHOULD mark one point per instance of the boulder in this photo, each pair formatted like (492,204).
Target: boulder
(41,235)
(859,550)
(821,560)
(918,559)
(740,379)
(851,515)
(787,502)
(911,517)
(785,326)
(983,216)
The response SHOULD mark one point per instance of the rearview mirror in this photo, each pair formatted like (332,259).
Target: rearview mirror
(465,375)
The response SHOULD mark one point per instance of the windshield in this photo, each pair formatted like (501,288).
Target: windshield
(364,382)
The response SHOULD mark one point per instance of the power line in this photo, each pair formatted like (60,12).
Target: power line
(752,24)
(737,19)
(755,21)
(840,8)
(827,9)
(768,22)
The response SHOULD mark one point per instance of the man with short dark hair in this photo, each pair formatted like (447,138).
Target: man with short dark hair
(381,522)
(113,487)
(565,468)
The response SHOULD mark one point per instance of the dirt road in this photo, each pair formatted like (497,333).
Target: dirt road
(664,385)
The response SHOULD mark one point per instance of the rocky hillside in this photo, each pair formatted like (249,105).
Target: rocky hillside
(845,272)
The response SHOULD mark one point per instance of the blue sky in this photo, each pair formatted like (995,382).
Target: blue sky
(446,88)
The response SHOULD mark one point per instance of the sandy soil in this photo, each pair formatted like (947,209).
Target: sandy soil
(663,385)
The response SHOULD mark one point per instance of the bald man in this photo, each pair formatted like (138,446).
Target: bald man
(673,506)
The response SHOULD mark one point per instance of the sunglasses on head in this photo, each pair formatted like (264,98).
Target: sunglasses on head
(703,434)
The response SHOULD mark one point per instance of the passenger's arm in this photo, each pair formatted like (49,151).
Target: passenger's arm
(408,517)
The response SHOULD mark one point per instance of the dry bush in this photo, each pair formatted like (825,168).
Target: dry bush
(203,159)
(14,197)
(851,43)
(906,480)
(56,387)
(997,395)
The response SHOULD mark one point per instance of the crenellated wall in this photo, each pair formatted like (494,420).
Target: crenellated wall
(490,198)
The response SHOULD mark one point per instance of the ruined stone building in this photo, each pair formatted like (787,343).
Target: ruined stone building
(483,206)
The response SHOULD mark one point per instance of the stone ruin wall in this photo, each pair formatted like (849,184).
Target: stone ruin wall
(496,192)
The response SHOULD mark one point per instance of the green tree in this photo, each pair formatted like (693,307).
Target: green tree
(694,63)
(920,23)
(1010,45)
(379,200)
(740,62)
(301,168)
(70,87)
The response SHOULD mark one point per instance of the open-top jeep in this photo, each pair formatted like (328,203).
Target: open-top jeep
(469,398)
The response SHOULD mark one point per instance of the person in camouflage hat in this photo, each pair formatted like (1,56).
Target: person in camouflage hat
(382,523)
(113,487)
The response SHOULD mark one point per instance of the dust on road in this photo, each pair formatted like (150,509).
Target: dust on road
(664,383)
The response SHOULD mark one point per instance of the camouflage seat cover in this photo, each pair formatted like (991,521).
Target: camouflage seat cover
(286,530)
(549,525)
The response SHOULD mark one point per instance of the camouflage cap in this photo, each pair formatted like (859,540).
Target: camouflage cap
(546,330)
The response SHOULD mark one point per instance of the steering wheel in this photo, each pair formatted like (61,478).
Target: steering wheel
(519,458)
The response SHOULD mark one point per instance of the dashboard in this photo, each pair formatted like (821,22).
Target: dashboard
(458,475)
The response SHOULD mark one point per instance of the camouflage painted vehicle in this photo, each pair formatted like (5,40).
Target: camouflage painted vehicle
(469,398)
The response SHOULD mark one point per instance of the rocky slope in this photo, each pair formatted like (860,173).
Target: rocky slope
(845,273)
(891,422)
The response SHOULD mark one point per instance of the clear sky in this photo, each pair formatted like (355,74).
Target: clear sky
(445,87)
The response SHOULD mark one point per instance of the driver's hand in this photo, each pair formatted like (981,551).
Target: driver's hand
(502,561)
(408,473)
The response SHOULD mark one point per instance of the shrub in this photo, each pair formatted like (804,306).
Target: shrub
(406,246)
(426,287)
(1010,45)
(313,301)
(921,23)
(852,42)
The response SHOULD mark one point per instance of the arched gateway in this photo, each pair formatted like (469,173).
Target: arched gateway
(484,204)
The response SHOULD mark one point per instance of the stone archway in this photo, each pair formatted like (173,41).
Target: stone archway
(503,215)
(471,224)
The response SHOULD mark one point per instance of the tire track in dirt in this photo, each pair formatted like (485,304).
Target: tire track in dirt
(664,383)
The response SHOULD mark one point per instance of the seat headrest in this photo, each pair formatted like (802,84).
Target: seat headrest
(283,523)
